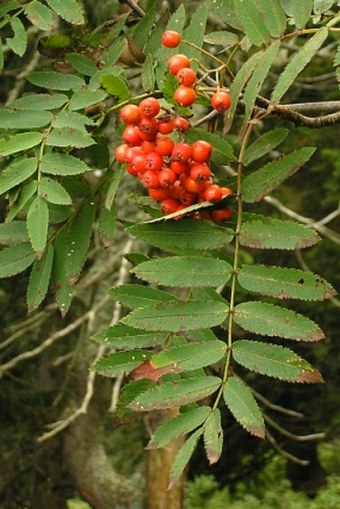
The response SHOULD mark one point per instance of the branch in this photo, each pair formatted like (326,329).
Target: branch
(293,436)
(277,408)
(284,453)
(134,7)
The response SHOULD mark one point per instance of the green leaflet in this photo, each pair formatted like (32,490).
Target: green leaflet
(55,80)
(261,182)
(243,406)
(284,283)
(78,241)
(174,394)
(194,33)
(16,259)
(119,363)
(107,224)
(274,16)
(222,149)
(321,6)
(145,25)
(125,337)
(69,137)
(221,38)
(82,64)
(18,142)
(18,43)
(137,296)
(118,172)
(40,102)
(62,164)
(62,288)
(25,194)
(148,74)
(37,224)
(84,98)
(173,236)
(39,279)
(263,232)
(12,119)
(13,232)
(213,436)
(40,16)
(183,457)
(264,144)
(250,16)
(177,426)
(184,271)
(190,356)
(17,172)
(298,63)
(69,10)
(71,119)
(270,320)
(53,192)
(115,85)
(274,360)
(301,12)
(174,317)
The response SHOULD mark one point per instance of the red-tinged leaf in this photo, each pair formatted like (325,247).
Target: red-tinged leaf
(243,406)
(149,371)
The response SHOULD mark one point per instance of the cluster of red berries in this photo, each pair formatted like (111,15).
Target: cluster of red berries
(180,66)
(176,174)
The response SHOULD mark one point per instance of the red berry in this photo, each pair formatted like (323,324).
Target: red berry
(131,153)
(120,152)
(179,168)
(221,215)
(154,161)
(148,128)
(185,96)
(165,127)
(148,146)
(181,124)
(186,76)
(169,206)
(177,62)
(171,39)
(199,172)
(201,151)
(181,152)
(159,193)
(213,192)
(130,169)
(150,179)
(130,114)
(149,107)
(132,135)
(191,185)
(164,145)
(167,177)
(226,191)
(139,163)
(220,101)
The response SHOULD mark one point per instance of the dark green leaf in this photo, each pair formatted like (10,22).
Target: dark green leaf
(84,98)
(17,172)
(13,232)
(55,80)
(284,283)
(82,64)
(115,85)
(61,287)
(18,142)
(69,137)
(261,182)
(118,173)
(69,10)
(264,144)
(213,436)
(148,74)
(177,426)
(174,394)
(12,119)
(183,457)
(18,43)
(114,51)
(37,224)
(107,224)
(72,120)
(54,192)
(16,259)
(40,102)
(145,25)
(243,406)
(25,194)
(298,63)
(137,296)
(184,271)
(250,16)
(178,316)
(40,16)
(119,363)
(264,232)
(194,33)
(184,234)
(301,12)
(269,320)
(62,164)
(39,279)
(275,361)
(125,337)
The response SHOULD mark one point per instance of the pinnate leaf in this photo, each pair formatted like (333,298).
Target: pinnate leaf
(301,12)
(115,85)
(250,16)
(284,283)
(25,194)
(40,101)
(12,119)
(17,172)
(16,259)
(40,15)
(185,271)
(174,317)
(177,426)
(119,363)
(174,236)
(125,337)
(195,31)
(37,224)
(53,192)
(274,16)
(69,10)
(69,137)
(270,320)
(18,43)
(174,394)
(53,80)
(62,164)
(82,64)
(18,142)
(298,63)
(263,232)
(39,279)
(84,98)
(243,406)
(261,182)
(274,360)
(13,232)
(213,436)
(264,144)
(183,457)
(137,296)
